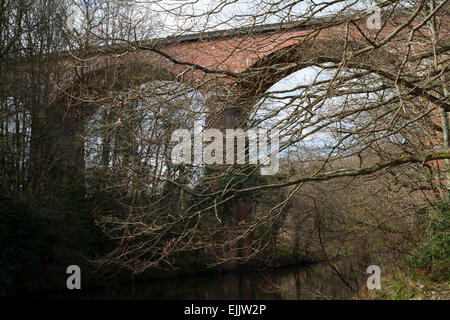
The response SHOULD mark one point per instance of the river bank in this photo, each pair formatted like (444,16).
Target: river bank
(408,286)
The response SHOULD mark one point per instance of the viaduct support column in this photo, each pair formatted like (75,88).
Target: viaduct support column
(226,114)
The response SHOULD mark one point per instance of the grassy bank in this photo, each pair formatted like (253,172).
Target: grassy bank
(426,272)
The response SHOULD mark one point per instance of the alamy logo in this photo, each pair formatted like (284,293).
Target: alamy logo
(74,15)
(213,152)
(374,19)
(74,280)
(374,281)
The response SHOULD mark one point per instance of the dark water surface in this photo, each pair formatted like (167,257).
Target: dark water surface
(313,282)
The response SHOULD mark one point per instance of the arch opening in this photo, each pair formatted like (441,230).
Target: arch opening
(129,139)
(330,114)
(15,144)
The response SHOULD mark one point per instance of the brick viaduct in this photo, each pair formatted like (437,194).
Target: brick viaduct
(232,68)
(240,63)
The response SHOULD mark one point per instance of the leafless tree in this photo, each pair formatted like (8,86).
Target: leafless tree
(372,110)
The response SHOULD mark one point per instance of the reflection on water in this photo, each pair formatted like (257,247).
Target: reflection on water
(315,282)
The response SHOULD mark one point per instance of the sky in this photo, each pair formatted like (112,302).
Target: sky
(187,16)
(198,15)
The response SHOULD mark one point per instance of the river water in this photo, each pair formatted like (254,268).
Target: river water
(311,282)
